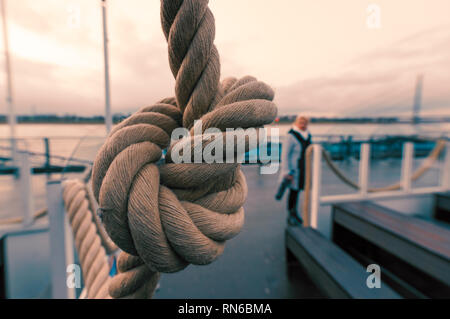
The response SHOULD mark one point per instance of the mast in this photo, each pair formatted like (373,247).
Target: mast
(417,99)
(108,117)
(9,90)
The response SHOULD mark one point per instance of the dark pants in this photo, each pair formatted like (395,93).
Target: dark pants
(292,204)
(292,200)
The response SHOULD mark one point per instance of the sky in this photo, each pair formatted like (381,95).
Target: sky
(322,57)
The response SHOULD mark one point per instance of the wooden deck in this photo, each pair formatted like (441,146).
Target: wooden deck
(336,273)
(414,251)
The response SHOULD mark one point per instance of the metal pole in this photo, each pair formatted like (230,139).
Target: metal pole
(47,152)
(417,99)
(61,242)
(9,89)
(108,117)
(315,185)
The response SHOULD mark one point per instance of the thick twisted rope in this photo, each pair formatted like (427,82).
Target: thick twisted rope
(165,216)
(422,169)
(91,245)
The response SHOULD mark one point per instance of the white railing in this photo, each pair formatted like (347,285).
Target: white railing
(60,233)
(317,198)
(26,188)
(61,242)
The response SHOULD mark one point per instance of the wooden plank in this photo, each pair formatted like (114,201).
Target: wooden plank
(334,271)
(405,279)
(423,245)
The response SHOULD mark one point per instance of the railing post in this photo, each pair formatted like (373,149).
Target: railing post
(47,152)
(445,182)
(26,188)
(407,162)
(61,242)
(15,160)
(364,167)
(315,184)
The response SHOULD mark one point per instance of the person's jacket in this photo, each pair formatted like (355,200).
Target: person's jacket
(290,156)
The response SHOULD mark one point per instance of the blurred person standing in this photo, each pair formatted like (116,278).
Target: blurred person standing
(293,165)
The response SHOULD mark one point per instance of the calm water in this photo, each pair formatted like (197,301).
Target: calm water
(82,140)
(98,130)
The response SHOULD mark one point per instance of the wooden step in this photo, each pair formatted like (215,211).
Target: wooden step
(336,273)
(423,247)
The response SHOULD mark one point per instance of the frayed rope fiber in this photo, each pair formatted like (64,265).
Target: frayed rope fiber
(165,216)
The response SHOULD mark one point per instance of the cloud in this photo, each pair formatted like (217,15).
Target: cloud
(381,82)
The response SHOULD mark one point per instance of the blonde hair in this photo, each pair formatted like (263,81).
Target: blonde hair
(301,116)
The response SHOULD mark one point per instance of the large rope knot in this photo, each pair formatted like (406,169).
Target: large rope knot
(166,215)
